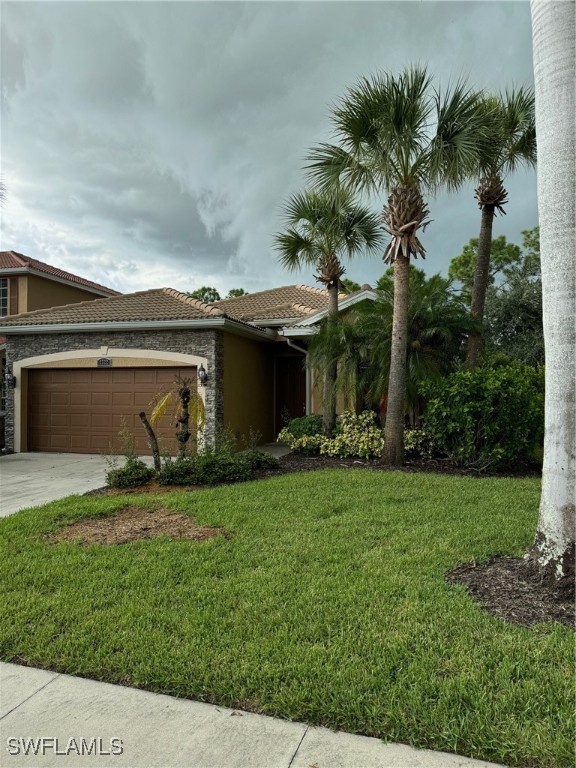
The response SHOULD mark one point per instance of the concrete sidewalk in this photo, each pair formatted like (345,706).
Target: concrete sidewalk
(166,732)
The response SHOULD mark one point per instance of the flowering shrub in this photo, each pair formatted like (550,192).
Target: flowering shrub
(306,444)
(355,435)
(419,444)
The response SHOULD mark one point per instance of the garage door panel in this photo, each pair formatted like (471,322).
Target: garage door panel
(83,410)
(79,399)
(122,399)
(59,399)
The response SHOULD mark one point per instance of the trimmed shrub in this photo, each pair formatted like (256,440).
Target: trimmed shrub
(206,469)
(180,472)
(419,444)
(221,468)
(134,473)
(260,460)
(488,418)
(304,425)
(306,444)
(355,435)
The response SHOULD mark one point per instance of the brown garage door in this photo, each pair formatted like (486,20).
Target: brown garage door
(82,410)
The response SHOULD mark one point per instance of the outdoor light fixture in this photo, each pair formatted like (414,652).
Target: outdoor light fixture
(9,380)
(202,375)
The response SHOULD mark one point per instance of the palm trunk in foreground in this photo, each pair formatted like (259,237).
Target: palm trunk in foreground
(329,396)
(393,453)
(553,34)
(480,286)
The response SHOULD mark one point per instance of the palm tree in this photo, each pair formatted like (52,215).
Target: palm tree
(553,34)
(512,130)
(399,135)
(438,323)
(321,228)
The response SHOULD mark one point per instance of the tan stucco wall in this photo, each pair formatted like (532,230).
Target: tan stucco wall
(248,388)
(39,293)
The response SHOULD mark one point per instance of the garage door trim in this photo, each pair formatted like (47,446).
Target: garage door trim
(80,356)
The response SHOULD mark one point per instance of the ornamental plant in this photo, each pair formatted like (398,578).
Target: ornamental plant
(355,435)
(489,418)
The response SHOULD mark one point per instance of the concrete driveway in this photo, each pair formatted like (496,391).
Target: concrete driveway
(30,479)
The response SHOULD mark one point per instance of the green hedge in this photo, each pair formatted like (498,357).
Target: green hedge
(489,418)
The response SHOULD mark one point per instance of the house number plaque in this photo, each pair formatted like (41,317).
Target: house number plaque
(104,362)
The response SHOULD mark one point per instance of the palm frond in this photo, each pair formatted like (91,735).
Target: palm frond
(160,408)
(462,131)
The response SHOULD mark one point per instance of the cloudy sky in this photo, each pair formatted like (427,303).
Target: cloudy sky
(153,143)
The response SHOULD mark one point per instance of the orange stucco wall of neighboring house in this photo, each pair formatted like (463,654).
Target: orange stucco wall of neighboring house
(248,388)
(38,293)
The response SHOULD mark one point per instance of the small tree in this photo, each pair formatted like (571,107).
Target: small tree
(234,293)
(187,405)
(321,228)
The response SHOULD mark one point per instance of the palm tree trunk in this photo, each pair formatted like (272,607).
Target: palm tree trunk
(393,454)
(480,286)
(553,35)
(328,396)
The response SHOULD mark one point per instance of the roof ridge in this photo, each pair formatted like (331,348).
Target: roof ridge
(312,289)
(303,308)
(258,293)
(186,299)
(51,271)
(88,302)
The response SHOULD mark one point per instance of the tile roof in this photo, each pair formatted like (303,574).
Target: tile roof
(155,305)
(289,301)
(15,260)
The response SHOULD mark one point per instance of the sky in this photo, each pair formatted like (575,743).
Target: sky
(148,144)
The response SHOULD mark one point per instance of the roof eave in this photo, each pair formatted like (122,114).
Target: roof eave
(220,323)
(342,305)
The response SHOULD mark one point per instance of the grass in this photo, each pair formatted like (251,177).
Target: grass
(327,604)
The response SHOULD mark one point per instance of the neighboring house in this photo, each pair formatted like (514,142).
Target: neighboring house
(26,285)
(84,371)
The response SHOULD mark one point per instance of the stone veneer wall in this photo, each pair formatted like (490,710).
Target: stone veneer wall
(208,344)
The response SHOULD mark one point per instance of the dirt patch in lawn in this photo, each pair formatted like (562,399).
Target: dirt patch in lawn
(134,523)
(512,589)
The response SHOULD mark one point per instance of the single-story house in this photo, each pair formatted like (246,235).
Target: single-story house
(80,373)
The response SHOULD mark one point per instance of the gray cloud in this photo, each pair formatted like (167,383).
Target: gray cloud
(148,144)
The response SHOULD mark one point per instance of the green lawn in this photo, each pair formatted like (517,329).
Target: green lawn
(327,604)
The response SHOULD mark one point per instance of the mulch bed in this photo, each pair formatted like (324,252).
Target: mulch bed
(133,523)
(512,589)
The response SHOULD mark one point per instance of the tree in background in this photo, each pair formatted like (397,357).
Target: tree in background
(463,267)
(512,134)
(349,286)
(398,135)
(513,316)
(321,228)
(206,294)
(234,293)
(554,42)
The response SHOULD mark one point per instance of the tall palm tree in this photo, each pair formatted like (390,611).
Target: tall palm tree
(321,228)
(554,41)
(398,135)
(512,144)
